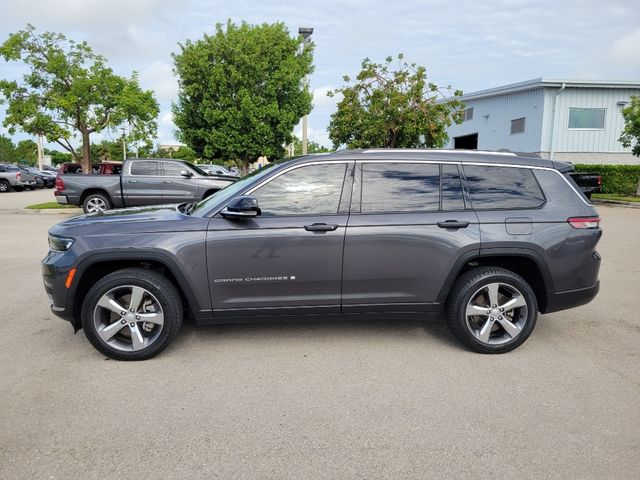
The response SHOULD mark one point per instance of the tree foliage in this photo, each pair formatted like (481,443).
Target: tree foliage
(241,91)
(69,92)
(7,149)
(630,137)
(27,152)
(387,108)
(312,147)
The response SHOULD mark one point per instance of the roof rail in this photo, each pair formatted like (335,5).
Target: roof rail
(438,150)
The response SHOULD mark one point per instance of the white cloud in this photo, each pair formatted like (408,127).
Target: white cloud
(158,76)
(321,99)
(626,50)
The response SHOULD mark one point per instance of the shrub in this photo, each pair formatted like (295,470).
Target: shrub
(618,179)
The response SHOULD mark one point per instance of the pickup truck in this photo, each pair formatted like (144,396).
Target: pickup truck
(12,176)
(588,182)
(143,182)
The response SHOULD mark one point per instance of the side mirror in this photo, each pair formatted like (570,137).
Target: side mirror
(241,207)
(185,173)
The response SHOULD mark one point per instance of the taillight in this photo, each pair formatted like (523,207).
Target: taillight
(59,184)
(18,176)
(584,222)
(599,180)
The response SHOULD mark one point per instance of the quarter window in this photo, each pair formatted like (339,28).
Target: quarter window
(310,190)
(144,168)
(586,117)
(400,187)
(502,187)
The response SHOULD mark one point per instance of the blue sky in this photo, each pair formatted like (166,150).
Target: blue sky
(467,44)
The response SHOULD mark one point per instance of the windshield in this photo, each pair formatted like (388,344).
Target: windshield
(229,191)
(197,169)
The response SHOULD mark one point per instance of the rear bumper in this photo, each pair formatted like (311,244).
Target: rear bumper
(573,298)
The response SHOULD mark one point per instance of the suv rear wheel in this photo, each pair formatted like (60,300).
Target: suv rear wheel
(492,310)
(132,314)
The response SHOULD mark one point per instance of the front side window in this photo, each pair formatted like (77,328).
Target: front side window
(308,190)
(502,187)
(172,169)
(400,187)
(144,168)
(586,117)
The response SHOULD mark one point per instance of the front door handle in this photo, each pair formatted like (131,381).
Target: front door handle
(453,224)
(133,181)
(167,181)
(320,227)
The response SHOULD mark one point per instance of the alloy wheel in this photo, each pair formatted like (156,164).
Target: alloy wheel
(496,313)
(96,205)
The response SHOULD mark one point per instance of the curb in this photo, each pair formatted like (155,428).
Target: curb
(48,211)
(615,203)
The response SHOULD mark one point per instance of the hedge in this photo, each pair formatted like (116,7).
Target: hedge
(617,179)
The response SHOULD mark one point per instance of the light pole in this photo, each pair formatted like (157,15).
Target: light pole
(306,33)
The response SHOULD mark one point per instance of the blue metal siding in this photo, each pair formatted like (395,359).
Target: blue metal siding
(588,140)
(492,121)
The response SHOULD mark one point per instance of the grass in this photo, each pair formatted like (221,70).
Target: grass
(618,198)
(48,206)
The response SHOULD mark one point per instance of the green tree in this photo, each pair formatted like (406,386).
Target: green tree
(58,157)
(630,137)
(241,91)
(312,147)
(387,108)
(69,91)
(7,149)
(27,152)
(185,153)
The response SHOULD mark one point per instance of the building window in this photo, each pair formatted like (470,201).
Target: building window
(467,114)
(587,117)
(517,125)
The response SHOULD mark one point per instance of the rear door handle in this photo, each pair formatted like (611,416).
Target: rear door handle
(133,181)
(167,181)
(453,224)
(320,227)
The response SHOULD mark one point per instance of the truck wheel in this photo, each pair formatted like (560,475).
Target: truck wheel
(4,186)
(491,310)
(96,203)
(132,314)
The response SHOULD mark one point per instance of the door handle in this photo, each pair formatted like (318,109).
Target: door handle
(453,224)
(320,227)
(133,181)
(167,181)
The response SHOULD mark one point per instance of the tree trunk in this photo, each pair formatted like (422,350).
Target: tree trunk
(86,152)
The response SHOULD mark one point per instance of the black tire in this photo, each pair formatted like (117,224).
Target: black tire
(473,283)
(100,197)
(155,284)
(5,186)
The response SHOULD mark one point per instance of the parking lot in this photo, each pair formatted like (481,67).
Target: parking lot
(323,399)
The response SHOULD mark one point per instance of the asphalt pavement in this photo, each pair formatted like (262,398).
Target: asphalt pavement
(339,399)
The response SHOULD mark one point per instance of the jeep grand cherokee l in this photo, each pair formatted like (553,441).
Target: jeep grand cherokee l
(485,239)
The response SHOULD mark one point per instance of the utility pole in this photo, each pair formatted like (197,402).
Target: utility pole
(124,143)
(306,33)
(40,152)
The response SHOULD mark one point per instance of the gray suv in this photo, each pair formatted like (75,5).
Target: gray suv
(485,239)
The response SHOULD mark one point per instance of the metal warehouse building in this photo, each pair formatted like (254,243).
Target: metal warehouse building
(572,120)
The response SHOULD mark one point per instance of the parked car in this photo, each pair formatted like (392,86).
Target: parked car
(13,177)
(485,240)
(43,180)
(142,182)
(49,178)
(104,168)
(217,170)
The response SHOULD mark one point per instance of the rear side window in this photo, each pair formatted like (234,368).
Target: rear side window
(144,168)
(502,187)
(400,187)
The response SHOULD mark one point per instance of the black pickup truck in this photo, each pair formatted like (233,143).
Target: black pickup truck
(152,181)
(588,182)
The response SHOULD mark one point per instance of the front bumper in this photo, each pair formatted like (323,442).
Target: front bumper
(55,268)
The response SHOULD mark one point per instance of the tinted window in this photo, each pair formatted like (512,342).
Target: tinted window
(451,188)
(172,169)
(311,190)
(144,168)
(502,187)
(400,187)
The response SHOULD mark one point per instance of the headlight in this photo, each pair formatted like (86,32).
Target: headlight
(60,244)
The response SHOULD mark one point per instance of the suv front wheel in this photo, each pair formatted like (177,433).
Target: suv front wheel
(492,310)
(132,314)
